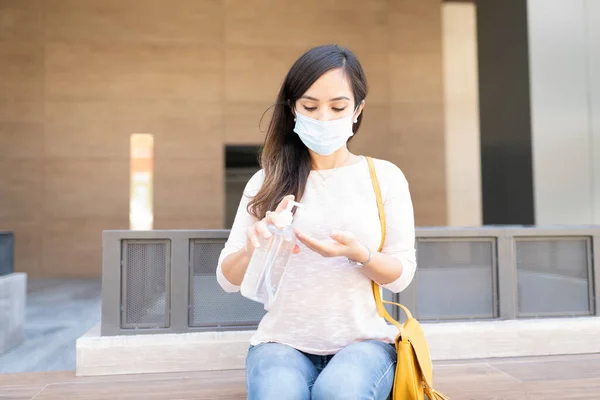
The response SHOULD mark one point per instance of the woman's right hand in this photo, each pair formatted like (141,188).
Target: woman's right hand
(260,229)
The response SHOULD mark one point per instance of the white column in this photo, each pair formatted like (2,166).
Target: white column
(463,155)
(593,47)
(560,110)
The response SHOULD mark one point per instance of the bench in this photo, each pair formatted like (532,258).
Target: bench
(13,292)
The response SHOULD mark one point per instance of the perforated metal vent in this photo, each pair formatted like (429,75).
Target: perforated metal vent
(456,278)
(145,276)
(554,276)
(210,305)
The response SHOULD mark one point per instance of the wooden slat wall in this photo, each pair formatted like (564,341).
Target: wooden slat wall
(78,77)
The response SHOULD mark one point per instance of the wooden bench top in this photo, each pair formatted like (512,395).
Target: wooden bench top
(535,378)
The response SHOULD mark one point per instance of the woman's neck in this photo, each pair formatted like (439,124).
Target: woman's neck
(339,158)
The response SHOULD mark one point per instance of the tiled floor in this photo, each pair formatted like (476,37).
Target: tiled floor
(58,312)
(539,378)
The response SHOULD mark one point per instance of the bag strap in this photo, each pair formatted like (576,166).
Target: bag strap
(376,290)
(427,378)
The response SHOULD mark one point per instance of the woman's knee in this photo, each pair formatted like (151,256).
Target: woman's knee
(361,371)
(354,384)
(334,388)
(276,371)
(275,383)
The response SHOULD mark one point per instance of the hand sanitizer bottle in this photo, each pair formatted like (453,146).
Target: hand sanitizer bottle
(269,261)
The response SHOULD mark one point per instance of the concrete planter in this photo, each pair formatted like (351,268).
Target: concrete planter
(13,293)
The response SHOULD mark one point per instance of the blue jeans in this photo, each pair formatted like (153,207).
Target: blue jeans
(363,370)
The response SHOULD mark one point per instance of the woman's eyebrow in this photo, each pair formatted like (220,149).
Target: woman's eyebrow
(340,98)
(334,99)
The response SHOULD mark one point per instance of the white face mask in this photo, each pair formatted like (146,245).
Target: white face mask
(323,137)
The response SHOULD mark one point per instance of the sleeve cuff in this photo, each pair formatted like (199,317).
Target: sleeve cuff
(225,284)
(408,272)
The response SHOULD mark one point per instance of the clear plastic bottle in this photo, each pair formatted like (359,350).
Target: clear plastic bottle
(268,263)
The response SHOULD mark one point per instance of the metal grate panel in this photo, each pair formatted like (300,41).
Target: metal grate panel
(554,276)
(456,278)
(7,243)
(210,306)
(146,268)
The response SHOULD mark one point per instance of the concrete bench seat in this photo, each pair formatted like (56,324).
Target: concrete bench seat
(211,351)
(13,293)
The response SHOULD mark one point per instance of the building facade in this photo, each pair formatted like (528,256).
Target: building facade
(78,78)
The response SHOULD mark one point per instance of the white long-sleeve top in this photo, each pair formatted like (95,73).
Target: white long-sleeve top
(324,304)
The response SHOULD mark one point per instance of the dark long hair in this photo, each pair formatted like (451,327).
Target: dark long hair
(284,158)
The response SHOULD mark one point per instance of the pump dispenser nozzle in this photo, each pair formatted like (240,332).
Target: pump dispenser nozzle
(286,217)
(291,204)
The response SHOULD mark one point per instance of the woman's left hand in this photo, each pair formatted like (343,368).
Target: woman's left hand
(342,244)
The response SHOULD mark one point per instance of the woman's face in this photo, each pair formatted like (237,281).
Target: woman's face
(329,98)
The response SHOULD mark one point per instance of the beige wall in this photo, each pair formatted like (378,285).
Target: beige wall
(461,101)
(78,77)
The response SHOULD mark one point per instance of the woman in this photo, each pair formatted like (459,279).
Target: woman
(322,338)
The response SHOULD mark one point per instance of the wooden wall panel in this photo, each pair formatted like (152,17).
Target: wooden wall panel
(86,188)
(21,129)
(78,78)
(21,182)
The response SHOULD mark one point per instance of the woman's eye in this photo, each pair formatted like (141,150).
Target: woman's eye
(310,108)
(338,109)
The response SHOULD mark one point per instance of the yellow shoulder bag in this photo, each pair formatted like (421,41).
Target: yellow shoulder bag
(414,372)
